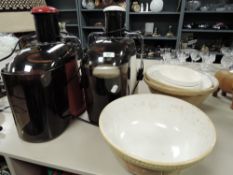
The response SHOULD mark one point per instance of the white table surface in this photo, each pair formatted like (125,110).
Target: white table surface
(81,148)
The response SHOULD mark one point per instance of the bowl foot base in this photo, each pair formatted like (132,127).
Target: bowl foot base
(143,171)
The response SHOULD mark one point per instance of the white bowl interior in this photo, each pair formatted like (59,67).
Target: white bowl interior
(158,128)
(155,73)
(177,75)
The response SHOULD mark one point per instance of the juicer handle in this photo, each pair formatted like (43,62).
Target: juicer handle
(138,35)
(91,37)
(77,42)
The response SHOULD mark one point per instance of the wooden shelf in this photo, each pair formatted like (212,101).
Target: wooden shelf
(154,13)
(206,31)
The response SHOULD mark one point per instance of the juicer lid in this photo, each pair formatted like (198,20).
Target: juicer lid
(114,8)
(44,9)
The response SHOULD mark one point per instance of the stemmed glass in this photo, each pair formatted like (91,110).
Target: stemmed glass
(166,55)
(195,56)
(227,59)
(182,56)
(226,51)
(226,62)
(207,59)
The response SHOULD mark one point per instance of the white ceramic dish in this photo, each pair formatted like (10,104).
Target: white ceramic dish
(154,133)
(179,77)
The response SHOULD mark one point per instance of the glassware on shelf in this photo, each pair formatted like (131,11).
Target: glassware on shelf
(204,55)
(174,59)
(181,56)
(204,65)
(207,59)
(226,51)
(168,55)
(195,55)
(227,62)
(227,59)
(212,57)
(90,4)
(164,54)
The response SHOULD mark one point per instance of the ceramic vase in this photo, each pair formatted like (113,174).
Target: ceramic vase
(84,4)
(156,5)
(135,7)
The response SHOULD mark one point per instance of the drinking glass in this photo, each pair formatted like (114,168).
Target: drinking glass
(207,60)
(195,56)
(204,65)
(227,62)
(166,55)
(182,56)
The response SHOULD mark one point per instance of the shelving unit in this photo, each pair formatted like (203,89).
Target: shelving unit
(161,20)
(208,36)
(69,13)
(81,22)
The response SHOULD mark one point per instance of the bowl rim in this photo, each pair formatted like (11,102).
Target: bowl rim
(159,69)
(181,91)
(178,91)
(157,163)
